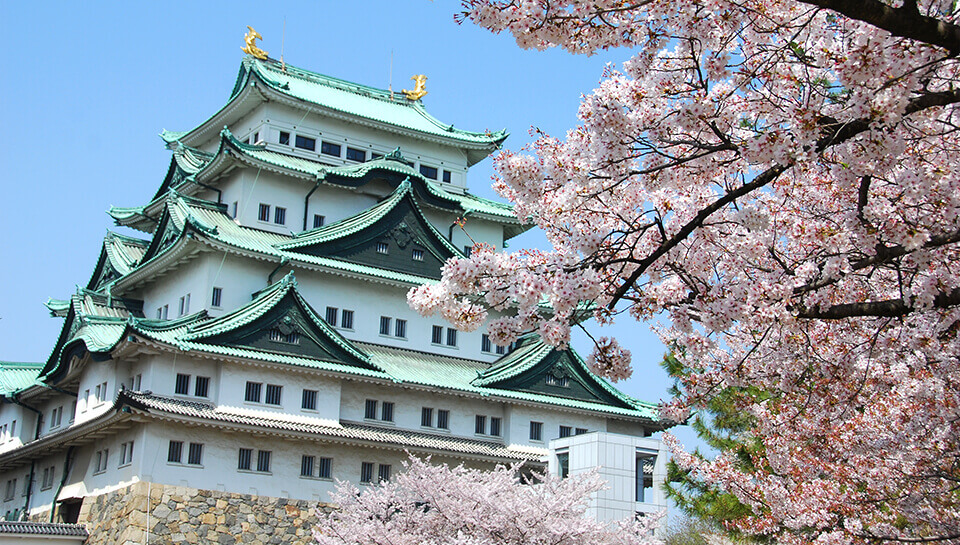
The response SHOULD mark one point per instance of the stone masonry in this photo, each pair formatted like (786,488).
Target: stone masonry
(177,514)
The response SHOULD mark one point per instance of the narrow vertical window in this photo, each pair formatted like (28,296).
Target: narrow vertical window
(274,392)
(183,384)
(446,176)
(318,220)
(182,306)
(358,155)
(252,393)
(346,319)
(244,461)
(383,248)
(384,325)
(451,337)
(366,472)
(160,313)
(306,465)
(201,387)
(280,215)
(580,431)
(386,412)
(426,417)
(428,172)
(309,401)
(565,431)
(186,304)
(384,473)
(264,214)
(443,419)
(284,138)
(437,336)
(401,329)
(175,451)
(370,409)
(481,425)
(418,255)
(331,317)
(329,148)
(215,298)
(166,311)
(495,426)
(536,431)
(234,208)
(324,471)
(485,344)
(195,454)
(306,143)
(263,461)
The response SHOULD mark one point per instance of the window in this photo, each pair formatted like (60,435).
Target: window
(100,458)
(102,392)
(428,172)
(332,316)
(562,382)
(563,464)
(264,214)
(401,329)
(126,453)
(245,455)
(11,490)
(485,344)
(215,298)
(175,452)
(384,472)
(160,313)
(467,250)
(274,392)
(86,399)
(481,425)
(290,338)
(500,350)
(383,248)
(318,220)
(309,401)
(280,215)
(329,148)
(580,431)
(386,412)
(56,417)
(13,429)
(253,392)
(370,409)
(47,481)
(183,384)
(306,143)
(565,431)
(234,208)
(284,138)
(185,304)
(306,465)
(443,419)
(418,255)
(324,469)
(366,472)
(437,336)
(536,431)
(166,311)
(195,454)
(446,176)
(451,337)
(202,387)
(495,426)
(346,319)
(263,461)
(426,417)
(354,154)
(385,325)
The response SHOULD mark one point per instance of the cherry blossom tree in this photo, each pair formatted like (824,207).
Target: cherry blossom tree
(434,504)
(776,184)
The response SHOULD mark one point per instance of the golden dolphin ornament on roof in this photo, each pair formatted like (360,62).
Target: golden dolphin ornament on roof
(419,90)
(251,40)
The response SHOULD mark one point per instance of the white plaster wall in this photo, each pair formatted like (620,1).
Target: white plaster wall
(234,377)
(408,404)
(519,418)
(187,278)
(15,415)
(95,373)
(58,400)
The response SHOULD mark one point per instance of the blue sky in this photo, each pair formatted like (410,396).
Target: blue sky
(87,86)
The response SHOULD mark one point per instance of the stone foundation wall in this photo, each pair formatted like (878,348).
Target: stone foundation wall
(177,514)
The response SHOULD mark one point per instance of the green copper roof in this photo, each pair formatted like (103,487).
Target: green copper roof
(15,376)
(359,100)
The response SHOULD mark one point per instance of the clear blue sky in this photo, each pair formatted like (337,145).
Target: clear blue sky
(87,86)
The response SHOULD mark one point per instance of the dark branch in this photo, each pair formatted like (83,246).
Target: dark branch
(891,308)
(904,21)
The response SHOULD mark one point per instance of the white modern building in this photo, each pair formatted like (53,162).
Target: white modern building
(253,336)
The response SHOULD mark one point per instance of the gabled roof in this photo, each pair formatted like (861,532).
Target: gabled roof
(279,307)
(262,80)
(396,221)
(15,376)
(118,256)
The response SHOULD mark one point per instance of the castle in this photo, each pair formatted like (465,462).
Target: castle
(253,343)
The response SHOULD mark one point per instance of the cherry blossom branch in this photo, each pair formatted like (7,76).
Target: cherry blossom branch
(890,308)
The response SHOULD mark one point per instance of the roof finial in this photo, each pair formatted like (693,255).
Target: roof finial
(251,48)
(420,90)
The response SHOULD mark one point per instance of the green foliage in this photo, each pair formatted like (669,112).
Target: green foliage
(723,426)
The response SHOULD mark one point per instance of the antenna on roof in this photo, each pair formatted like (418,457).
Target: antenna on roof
(283,37)
(391,75)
